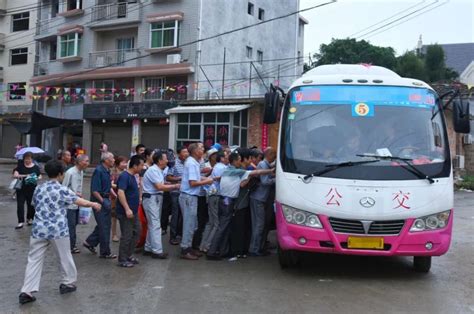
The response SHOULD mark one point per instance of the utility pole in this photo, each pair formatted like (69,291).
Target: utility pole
(250,80)
(223,75)
(278,77)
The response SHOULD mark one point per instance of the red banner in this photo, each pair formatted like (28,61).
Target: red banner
(264,136)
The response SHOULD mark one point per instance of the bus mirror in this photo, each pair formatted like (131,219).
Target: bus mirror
(271,106)
(461,116)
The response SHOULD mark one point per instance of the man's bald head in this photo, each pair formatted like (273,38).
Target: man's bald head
(270,154)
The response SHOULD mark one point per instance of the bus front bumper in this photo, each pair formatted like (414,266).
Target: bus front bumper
(406,243)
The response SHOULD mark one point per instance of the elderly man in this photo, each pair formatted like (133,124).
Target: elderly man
(73,180)
(191,184)
(101,185)
(66,158)
(258,199)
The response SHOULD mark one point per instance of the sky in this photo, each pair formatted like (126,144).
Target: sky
(451,22)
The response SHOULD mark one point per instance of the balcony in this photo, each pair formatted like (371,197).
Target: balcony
(41,68)
(46,29)
(2,42)
(113,58)
(113,14)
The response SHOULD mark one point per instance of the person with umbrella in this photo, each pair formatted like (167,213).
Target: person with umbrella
(28,174)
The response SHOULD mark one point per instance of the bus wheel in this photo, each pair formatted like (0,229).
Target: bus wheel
(422,264)
(288,258)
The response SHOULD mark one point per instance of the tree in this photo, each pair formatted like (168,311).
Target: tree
(352,51)
(410,65)
(434,63)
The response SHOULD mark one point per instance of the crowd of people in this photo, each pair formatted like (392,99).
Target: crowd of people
(217,204)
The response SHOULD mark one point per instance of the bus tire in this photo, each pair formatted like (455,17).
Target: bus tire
(287,259)
(422,264)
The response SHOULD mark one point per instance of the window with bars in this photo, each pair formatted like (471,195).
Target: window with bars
(70,45)
(224,128)
(18,56)
(164,34)
(20,22)
(74,93)
(260,56)
(153,87)
(17,91)
(110,90)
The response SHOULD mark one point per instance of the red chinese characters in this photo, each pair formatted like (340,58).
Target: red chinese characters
(401,199)
(333,197)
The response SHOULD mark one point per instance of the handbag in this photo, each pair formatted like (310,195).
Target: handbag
(85,214)
(18,184)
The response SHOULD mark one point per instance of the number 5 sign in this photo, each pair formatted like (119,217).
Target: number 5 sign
(362,110)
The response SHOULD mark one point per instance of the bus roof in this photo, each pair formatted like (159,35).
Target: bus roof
(355,74)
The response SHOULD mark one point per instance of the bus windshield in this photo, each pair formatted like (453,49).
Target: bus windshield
(331,124)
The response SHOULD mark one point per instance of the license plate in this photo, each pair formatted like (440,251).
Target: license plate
(374,243)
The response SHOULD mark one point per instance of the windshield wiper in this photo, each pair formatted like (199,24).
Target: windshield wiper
(332,167)
(410,167)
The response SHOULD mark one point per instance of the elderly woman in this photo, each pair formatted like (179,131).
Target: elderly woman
(50,226)
(28,173)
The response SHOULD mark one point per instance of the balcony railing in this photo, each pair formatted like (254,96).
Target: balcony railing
(45,27)
(109,11)
(113,58)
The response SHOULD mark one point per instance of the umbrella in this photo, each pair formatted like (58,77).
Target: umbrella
(35,150)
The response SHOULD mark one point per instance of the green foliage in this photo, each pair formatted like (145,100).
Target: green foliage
(409,65)
(467,183)
(434,63)
(352,51)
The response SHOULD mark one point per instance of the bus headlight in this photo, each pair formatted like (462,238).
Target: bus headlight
(431,222)
(301,217)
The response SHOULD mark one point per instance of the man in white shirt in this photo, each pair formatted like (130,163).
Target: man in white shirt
(153,188)
(73,180)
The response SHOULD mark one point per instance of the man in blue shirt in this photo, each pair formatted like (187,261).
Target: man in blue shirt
(258,199)
(153,188)
(174,176)
(127,211)
(190,189)
(101,185)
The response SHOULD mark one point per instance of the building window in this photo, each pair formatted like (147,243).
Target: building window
(20,22)
(104,90)
(250,8)
(211,128)
(19,56)
(17,91)
(74,93)
(261,14)
(249,52)
(70,45)
(240,128)
(153,87)
(164,34)
(74,4)
(260,56)
(53,50)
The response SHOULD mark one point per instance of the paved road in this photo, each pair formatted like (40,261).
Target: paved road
(324,283)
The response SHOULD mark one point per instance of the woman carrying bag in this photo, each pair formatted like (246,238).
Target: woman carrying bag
(28,174)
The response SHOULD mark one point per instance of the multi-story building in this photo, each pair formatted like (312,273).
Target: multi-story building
(17,25)
(119,65)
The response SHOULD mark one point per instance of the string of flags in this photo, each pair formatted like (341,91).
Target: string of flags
(66,93)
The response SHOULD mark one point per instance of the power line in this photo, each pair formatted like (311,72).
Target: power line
(401,18)
(384,30)
(207,38)
(386,19)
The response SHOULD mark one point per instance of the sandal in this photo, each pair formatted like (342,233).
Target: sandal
(75,250)
(89,247)
(125,264)
(110,256)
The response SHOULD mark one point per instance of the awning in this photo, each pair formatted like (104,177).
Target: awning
(207,109)
(39,123)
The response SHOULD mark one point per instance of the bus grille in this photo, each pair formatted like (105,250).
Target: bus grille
(388,227)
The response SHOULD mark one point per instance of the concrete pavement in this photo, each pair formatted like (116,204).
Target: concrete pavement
(323,284)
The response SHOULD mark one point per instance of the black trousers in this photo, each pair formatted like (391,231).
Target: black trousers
(25,195)
(202,217)
(270,220)
(219,244)
(241,230)
(165,211)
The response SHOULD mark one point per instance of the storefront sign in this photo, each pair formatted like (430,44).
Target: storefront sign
(119,110)
(135,132)
(264,136)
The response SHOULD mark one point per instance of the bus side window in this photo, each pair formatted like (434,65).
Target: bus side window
(437,135)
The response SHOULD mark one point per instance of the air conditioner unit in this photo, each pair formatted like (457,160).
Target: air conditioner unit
(173,58)
(467,139)
(459,162)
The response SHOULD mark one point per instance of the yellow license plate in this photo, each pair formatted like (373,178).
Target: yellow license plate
(373,243)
